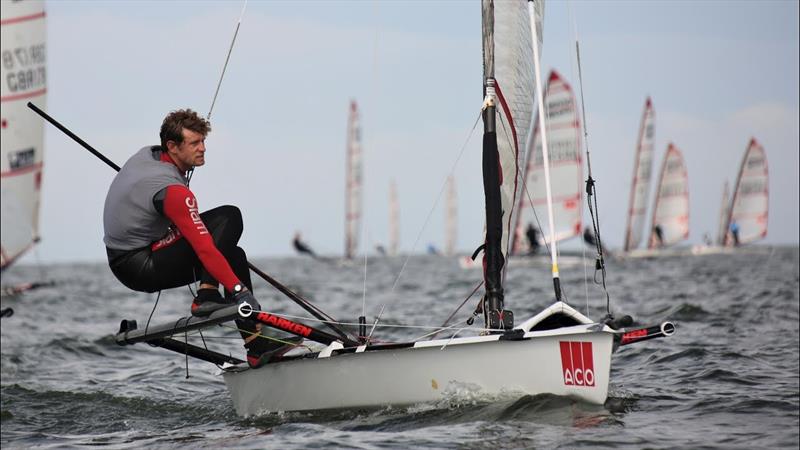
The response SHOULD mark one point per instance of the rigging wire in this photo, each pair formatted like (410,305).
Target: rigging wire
(227,58)
(427,219)
(591,191)
(571,19)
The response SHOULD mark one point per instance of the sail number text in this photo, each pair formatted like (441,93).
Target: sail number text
(25,68)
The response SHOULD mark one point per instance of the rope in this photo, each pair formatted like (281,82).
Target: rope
(425,224)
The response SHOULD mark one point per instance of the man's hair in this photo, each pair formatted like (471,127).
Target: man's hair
(176,121)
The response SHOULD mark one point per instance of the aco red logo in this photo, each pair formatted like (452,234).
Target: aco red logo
(577,363)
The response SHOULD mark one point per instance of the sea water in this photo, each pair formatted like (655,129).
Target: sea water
(727,379)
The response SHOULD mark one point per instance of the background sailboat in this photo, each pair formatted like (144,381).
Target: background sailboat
(670,223)
(394,220)
(642,173)
(353,183)
(724,210)
(749,210)
(566,171)
(22,28)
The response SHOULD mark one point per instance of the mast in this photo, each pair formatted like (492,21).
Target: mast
(671,210)
(750,205)
(353,183)
(23,73)
(507,91)
(493,258)
(642,171)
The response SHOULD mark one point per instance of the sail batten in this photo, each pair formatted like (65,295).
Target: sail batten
(24,79)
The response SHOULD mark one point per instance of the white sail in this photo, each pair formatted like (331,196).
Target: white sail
(353,183)
(22,34)
(451,217)
(509,59)
(642,173)
(671,211)
(724,209)
(394,220)
(750,206)
(566,167)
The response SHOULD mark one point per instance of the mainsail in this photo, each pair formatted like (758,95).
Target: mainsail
(671,212)
(353,183)
(22,34)
(750,207)
(451,217)
(394,220)
(566,168)
(642,172)
(508,90)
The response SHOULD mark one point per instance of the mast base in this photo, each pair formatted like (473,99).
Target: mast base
(500,319)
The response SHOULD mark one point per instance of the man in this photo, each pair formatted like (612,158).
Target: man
(735,233)
(533,239)
(301,246)
(156,238)
(659,234)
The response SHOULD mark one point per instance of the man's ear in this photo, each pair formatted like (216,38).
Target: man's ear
(171,146)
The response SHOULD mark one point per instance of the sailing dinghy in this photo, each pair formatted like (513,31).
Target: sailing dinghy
(566,177)
(22,28)
(749,208)
(642,172)
(557,351)
(670,220)
(23,74)
(353,183)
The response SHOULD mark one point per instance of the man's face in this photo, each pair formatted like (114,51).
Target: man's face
(189,153)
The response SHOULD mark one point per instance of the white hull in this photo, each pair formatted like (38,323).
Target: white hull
(432,371)
(655,253)
(542,260)
(717,249)
(695,250)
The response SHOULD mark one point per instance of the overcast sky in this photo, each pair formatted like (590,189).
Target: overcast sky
(718,73)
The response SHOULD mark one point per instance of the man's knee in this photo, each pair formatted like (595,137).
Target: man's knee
(228,215)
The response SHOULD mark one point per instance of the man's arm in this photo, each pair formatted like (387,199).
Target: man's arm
(180,206)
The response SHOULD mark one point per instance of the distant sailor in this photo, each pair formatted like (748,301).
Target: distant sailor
(659,234)
(533,239)
(156,237)
(735,232)
(301,246)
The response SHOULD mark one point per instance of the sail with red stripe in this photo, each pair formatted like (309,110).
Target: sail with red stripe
(566,168)
(22,80)
(642,173)
(670,223)
(750,206)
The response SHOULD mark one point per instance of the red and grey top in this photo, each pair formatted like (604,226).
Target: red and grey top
(131,220)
